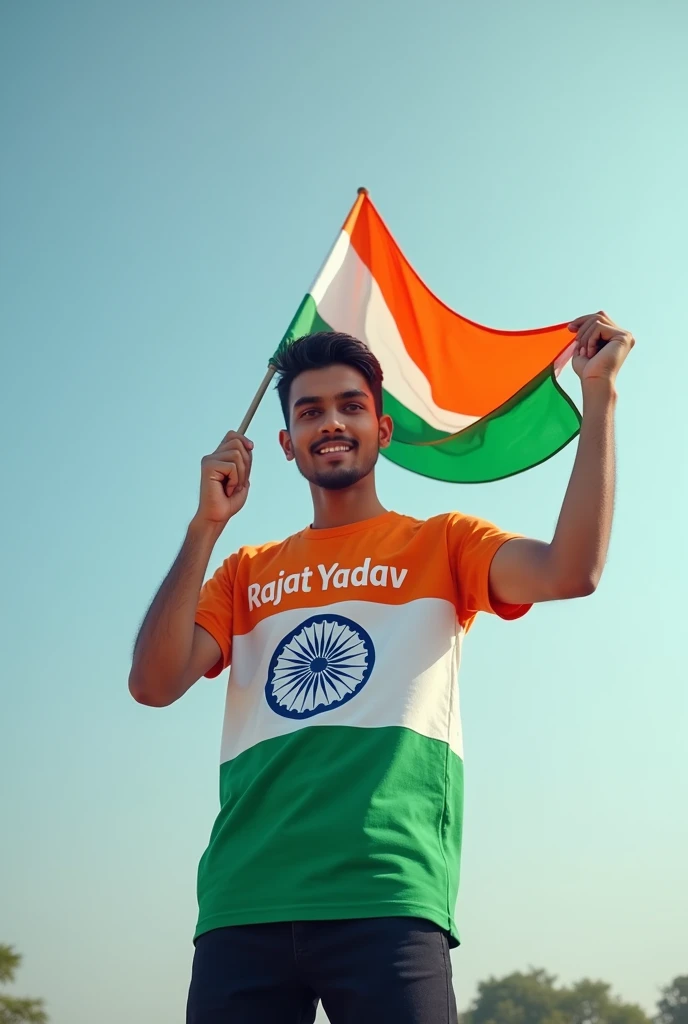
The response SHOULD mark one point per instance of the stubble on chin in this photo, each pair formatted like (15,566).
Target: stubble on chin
(336,479)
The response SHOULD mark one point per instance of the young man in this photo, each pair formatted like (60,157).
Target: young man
(332,869)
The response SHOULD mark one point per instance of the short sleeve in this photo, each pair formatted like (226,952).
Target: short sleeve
(214,611)
(472,544)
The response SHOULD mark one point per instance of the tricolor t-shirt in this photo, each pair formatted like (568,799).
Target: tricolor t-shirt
(341,776)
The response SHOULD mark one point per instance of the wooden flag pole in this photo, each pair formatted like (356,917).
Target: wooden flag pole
(256,400)
(265,383)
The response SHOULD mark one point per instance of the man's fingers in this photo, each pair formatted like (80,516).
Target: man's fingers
(233,470)
(232,452)
(576,324)
(232,435)
(588,335)
(584,326)
(231,463)
(227,473)
(237,445)
(606,330)
(236,448)
(591,330)
(235,451)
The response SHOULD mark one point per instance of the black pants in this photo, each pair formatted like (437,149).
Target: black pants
(385,970)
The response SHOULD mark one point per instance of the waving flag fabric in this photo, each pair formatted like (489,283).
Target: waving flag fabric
(469,404)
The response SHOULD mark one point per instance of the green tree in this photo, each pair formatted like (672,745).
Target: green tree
(672,1008)
(516,999)
(591,1002)
(17,1011)
(534,998)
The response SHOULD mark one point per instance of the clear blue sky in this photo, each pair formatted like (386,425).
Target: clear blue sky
(173,174)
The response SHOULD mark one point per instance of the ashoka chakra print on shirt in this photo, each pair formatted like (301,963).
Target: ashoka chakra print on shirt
(324,662)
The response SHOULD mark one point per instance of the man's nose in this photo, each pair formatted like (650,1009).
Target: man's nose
(331,423)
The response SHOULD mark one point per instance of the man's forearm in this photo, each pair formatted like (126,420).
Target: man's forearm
(163,646)
(579,547)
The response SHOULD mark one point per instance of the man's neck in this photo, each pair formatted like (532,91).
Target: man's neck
(342,508)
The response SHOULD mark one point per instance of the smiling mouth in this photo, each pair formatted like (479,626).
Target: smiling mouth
(334,449)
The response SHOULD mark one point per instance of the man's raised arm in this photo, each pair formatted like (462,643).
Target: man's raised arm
(171,651)
(526,571)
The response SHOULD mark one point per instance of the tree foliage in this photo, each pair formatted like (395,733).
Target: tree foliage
(9,961)
(535,998)
(672,1007)
(12,1010)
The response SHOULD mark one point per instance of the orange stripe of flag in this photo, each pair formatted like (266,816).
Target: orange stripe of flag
(471,369)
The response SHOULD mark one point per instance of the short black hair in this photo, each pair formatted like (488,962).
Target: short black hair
(315,352)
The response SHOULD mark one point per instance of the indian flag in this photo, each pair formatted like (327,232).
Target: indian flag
(470,404)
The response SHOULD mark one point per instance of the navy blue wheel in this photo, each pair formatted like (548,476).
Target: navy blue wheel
(323,663)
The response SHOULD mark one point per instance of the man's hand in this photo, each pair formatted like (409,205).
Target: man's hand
(601,347)
(524,571)
(172,651)
(225,480)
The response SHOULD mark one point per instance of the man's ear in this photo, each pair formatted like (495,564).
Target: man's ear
(287,447)
(385,431)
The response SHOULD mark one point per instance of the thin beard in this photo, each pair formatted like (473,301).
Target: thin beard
(347,478)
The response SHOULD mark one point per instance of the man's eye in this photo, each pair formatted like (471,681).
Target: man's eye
(353,406)
(309,412)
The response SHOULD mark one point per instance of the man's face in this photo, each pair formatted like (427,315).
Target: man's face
(334,434)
